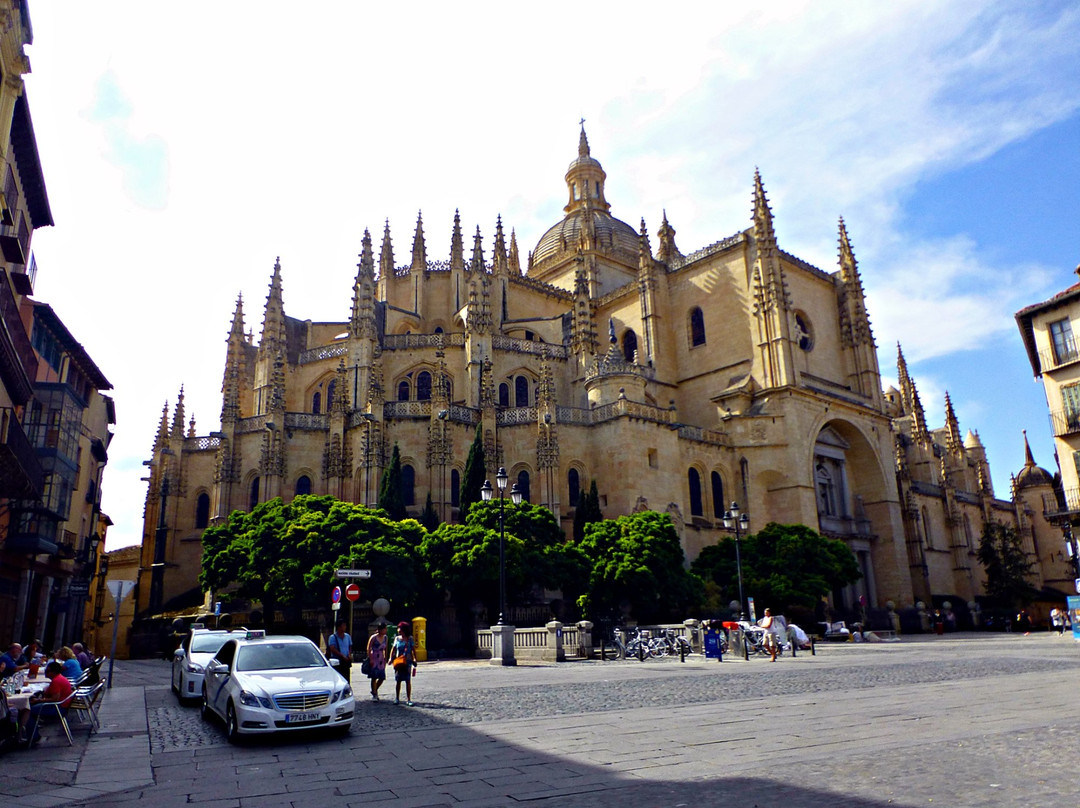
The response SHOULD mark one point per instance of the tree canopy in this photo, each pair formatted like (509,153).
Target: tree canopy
(783,566)
(285,554)
(1007,566)
(636,562)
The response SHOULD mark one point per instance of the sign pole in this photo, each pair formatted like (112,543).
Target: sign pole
(115,629)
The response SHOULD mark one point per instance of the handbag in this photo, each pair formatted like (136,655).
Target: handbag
(365,667)
(400,663)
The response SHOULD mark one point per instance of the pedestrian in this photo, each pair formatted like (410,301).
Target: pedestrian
(376,657)
(1057,619)
(339,647)
(403,656)
(772,643)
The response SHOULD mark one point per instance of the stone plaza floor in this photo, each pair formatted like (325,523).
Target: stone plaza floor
(961,720)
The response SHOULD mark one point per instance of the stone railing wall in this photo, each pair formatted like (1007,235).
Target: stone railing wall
(556,641)
(201,444)
(322,352)
(517,345)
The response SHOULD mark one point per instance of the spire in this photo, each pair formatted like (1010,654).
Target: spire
(498,258)
(1029,459)
(585,179)
(163,428)
(273,331)
(457,246)
(234,360)
(419,250)
(910,396)
(763,220)
(386,257)
(953,441)
(667,251)
(854,322)
(644,248)
(362,321)
(178,416)
(191,433)
(477,263)
(515,259)
(340,404)
(366,267)
(583,143)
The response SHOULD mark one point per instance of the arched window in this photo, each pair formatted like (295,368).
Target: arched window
(438,329)
(253,500)
(303,485)
(202,510)
(448,387)
(629,345)
(504,395)
(403,390)
(717,496)
(316,403)
(523,481)
(694,479)
(330,389)
(826,490)
(521,392)
(697,327)
(455,488)
(573,484)
(423,386)
(408,485)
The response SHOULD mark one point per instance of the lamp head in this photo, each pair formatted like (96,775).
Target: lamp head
(485,491)
(744,522)
(735,509)
(501,478)
(729,521)
(515,494)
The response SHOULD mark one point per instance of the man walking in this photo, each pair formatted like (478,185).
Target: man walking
(339,647)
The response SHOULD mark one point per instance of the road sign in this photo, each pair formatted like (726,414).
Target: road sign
(335,595)
(78,589)
(120,589)
(354,573)
(352,592)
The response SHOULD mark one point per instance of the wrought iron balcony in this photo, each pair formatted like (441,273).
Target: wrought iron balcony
(21,475)
(1064,422)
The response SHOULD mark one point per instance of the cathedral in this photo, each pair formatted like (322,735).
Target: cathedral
(679,382)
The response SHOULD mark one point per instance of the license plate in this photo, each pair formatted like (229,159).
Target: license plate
(300,718)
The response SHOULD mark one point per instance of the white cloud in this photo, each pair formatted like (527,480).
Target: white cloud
(272,128)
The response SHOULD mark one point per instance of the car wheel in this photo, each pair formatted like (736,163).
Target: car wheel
(232,727)
(204,708)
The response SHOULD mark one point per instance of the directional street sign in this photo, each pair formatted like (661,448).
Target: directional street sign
(354,573)
(335,595)
(352,592)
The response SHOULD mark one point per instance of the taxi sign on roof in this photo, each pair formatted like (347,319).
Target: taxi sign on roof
(255,634)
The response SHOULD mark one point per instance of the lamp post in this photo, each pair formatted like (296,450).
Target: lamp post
(502,634)
(733,521)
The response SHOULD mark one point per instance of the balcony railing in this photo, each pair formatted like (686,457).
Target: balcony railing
(18,362)
(1055,357)
(1052,507)
(1064,422)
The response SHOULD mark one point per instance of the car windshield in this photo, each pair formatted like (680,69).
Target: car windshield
(207,643)
(275,656)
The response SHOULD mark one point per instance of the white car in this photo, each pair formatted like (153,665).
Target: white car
(189,661)
(258,684)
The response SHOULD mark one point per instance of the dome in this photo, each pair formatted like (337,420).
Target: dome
(611,234)
(1033,476)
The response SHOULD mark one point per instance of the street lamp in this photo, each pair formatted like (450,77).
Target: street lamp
(733,521)
(505,652)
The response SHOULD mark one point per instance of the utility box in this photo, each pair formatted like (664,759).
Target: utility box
(419,632)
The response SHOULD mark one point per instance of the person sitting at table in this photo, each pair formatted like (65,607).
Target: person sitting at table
(72,669)
(46,703)
(85,660)
(9,662)
(32,654)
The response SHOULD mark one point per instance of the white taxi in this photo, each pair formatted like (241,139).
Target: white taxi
(189,660)
(258,684)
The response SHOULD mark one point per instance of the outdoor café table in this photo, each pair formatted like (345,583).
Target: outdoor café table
(21,700)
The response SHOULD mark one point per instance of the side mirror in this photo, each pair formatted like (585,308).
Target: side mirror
(178,654)
(333,663)
(216,667)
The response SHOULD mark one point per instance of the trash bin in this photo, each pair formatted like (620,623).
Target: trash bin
(419,632)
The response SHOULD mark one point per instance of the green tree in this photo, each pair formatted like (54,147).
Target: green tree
(636,562)
(1007,566)
(783,566)
(429,517)
(473,478)
(283,555)
(587,511)
(390,496)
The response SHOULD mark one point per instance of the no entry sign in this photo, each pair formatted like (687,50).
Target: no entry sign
(352,592)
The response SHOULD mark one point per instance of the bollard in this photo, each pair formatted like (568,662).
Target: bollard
(640,650)
(813,647)
(682,653)
(745,647)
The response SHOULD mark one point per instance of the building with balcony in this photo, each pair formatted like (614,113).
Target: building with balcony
(679,382)
(54,421)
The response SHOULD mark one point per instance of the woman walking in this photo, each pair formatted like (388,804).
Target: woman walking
(376,654)
(404,649)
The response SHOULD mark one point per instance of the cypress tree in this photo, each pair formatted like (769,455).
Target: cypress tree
(587,511)
(428,517)
(390,497)
(475,473)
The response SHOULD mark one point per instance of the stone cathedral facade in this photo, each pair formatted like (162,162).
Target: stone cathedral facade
(679,382)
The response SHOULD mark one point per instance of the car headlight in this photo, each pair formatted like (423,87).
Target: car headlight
(342,694)
(249,699)
(347,692)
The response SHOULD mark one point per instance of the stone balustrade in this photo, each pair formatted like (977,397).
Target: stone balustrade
(556,641)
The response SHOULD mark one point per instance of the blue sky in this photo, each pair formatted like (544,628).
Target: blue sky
(184,152)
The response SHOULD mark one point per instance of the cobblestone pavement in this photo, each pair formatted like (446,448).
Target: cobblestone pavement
(978,720)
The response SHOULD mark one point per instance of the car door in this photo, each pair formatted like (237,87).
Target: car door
(217,677)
